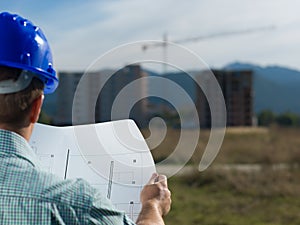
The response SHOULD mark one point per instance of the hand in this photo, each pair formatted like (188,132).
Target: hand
(156,194)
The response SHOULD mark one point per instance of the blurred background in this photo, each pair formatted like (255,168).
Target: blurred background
(252,49)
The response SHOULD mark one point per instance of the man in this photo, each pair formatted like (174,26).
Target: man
(28,195)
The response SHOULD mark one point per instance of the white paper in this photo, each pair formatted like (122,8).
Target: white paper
(112,156)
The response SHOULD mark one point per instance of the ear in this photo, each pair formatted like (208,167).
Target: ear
(36,109)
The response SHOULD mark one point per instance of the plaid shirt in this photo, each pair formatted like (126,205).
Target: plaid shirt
(31,196)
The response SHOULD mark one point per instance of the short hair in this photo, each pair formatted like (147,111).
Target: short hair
(14,107)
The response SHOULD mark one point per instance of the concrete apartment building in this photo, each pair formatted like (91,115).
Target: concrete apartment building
(93,105)
(65,98)
(123,96)
(237,89)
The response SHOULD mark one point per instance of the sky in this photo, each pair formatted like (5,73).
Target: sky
(80,31)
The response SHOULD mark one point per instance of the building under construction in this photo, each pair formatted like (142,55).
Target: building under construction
(237,90)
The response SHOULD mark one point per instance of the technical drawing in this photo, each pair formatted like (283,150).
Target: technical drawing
(112,156)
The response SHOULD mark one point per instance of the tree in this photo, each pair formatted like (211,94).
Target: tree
(288,119)
(266,118)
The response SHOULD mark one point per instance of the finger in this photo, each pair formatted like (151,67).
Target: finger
(161,177)
(163,180)
(153,178)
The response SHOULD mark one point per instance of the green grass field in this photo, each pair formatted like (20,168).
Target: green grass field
(236,198)
(232,197)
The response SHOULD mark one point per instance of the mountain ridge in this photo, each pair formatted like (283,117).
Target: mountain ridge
(276,88)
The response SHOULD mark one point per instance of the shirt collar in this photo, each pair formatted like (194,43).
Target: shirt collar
(14,144)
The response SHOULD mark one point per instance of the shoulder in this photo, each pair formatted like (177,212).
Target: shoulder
(67,199)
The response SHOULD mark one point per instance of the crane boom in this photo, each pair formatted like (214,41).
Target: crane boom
(164,43)
(226,33)
(208,36)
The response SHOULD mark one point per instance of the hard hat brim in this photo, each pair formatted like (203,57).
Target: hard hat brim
(50,80)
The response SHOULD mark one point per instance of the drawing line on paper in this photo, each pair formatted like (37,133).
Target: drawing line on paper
(67,163)
(111,171)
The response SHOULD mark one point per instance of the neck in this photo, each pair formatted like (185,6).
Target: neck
(25,132)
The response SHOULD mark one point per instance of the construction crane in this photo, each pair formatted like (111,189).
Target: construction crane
(164,43)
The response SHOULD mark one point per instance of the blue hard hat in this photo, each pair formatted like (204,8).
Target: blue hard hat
(23,45)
